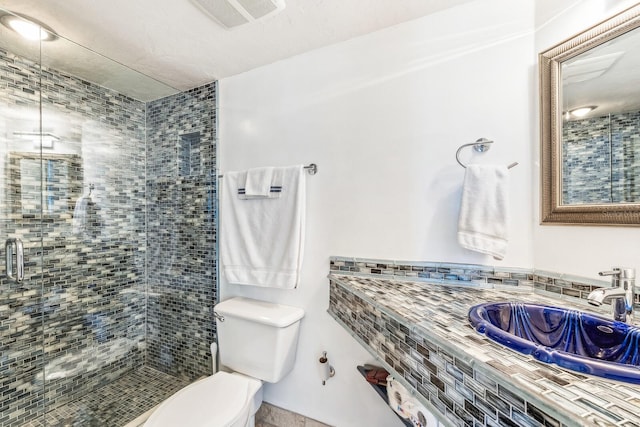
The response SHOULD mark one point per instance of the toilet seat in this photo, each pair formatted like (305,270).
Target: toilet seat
(221,400)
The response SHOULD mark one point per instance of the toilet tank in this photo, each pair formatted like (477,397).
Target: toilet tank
(257,338)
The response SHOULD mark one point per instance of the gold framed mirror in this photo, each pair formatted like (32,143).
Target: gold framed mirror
(590,164)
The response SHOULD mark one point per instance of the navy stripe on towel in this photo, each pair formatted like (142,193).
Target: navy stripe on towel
(273,189)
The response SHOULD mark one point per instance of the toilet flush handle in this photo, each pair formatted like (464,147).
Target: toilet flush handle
(218,316)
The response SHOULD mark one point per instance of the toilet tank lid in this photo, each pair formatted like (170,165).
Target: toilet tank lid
(268,313)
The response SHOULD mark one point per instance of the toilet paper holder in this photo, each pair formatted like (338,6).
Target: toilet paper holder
(326,370)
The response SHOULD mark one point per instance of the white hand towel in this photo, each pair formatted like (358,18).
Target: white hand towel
(484,217)
(261,240)
(80,215)
(258,182)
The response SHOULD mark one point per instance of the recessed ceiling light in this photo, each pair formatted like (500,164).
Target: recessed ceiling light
(27,27)
(582,111)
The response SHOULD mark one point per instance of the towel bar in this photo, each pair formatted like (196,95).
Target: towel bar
(481,145)
(311,168)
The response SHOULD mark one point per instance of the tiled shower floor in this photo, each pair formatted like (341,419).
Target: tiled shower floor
(117,403)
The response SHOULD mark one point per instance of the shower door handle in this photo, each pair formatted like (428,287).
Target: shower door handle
(11,246)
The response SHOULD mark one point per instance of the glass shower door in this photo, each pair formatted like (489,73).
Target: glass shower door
(22,356)
(93,233)
(88,337)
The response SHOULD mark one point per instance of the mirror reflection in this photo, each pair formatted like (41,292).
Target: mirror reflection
(600,150)
(61,183)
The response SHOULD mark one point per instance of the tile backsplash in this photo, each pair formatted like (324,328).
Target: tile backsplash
(559,284)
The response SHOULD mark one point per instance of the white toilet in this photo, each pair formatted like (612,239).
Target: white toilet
(257,341)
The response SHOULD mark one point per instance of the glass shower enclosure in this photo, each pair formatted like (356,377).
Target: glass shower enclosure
(106,222)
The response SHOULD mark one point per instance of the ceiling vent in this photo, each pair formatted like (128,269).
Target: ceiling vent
(232,13)
(588,68)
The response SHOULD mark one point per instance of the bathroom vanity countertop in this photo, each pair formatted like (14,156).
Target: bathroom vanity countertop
(439,313)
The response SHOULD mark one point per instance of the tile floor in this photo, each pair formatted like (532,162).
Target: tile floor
(272,416)
(122,402)
(117,403)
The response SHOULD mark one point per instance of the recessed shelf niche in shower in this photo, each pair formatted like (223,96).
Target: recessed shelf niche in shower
(189,154)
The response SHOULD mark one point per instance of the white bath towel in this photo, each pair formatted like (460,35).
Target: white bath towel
(261,240)
(484,214)
(258,182)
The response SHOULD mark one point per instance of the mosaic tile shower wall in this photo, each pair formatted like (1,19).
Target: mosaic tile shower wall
(74,323)
(181,231)
(601,159)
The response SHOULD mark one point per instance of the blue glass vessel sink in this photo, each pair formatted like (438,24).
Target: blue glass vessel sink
(572,339)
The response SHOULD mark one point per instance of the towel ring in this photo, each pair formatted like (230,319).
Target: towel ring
(481,145)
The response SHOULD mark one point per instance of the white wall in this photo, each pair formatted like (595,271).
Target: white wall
(382,116)
(577,250)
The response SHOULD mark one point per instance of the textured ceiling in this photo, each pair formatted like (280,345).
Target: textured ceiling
(175,43)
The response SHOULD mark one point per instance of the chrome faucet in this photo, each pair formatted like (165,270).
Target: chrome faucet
(621,294)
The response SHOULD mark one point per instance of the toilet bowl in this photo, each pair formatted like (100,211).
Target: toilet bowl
(221,400)
(258,342)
